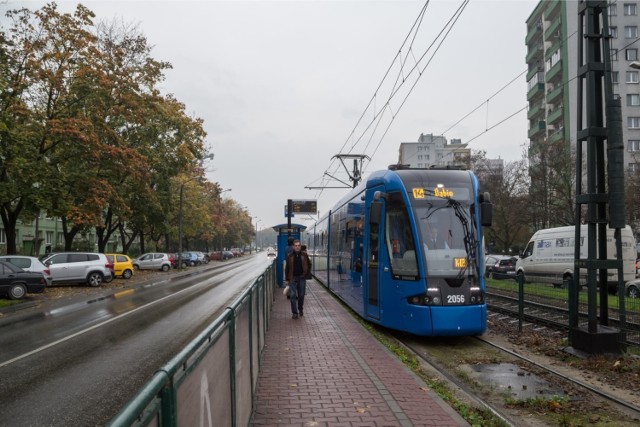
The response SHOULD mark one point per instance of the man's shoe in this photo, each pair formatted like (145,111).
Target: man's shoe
(301,313)
(294,316)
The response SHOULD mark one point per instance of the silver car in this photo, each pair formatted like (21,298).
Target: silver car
(29,263)
(152,261)
(79,267)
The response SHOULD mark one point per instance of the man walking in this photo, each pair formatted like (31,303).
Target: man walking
(296,269)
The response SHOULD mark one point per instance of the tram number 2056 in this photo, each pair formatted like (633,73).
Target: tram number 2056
(455,299)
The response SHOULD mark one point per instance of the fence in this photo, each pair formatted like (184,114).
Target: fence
(212,381)
(547,300)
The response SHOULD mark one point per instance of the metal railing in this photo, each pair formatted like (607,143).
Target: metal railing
(212,380)
(546,300)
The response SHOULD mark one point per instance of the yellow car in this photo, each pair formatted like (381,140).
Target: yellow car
(121,265)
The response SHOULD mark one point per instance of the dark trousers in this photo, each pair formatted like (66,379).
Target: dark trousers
(297,289)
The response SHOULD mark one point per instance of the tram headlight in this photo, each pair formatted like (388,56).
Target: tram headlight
(476,295)
(431,297)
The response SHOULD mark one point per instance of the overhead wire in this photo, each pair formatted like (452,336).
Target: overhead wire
(401,78)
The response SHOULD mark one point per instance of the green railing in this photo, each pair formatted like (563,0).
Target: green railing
(212,380)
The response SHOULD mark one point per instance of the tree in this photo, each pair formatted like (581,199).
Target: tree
(552,172)
(507,184)
(44,53)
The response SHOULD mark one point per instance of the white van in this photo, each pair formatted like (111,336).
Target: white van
(550,254)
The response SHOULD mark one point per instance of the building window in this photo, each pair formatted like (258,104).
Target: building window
(633,99)
(60,240)
(614,77)
(632,77)
(49,237)
(631,54)
(633,145)
(613,9)
(631,32)
(634,167)
(630,9)
(633,122)
(614,54)
(613,32)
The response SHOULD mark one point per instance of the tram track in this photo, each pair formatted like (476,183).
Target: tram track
(582,397)
(616,400)
(553,315)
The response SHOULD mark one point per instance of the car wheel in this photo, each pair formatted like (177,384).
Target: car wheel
(17,291)
(127,274)
(633,291)
(520,276)
(113,275)
(165,267)
(136,267)
(95,279)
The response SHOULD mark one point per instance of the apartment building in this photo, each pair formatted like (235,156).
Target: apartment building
(433,150)
(552,52)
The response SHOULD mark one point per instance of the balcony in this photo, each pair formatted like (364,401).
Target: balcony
(555,45)
(553,95)
(557,135)
(534,51)
(552,9)
(554,71)
(537,129)
(534,32)
(554,31)
(536,91)
(535,110)
(555,114)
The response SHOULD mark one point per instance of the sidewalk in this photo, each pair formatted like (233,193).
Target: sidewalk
(325,369)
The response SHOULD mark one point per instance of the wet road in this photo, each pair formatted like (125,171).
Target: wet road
(79,364)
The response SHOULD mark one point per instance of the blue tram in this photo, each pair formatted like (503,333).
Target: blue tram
(404,250)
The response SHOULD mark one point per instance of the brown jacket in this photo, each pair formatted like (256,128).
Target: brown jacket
(288,267)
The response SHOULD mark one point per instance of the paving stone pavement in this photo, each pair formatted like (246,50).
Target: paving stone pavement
(325,369)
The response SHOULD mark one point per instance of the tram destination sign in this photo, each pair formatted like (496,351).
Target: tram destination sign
(304,206)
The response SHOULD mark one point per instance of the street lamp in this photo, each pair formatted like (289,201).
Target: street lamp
(251,223)
(257,221)
(220,214)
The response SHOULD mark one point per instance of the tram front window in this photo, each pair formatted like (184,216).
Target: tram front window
(442,235)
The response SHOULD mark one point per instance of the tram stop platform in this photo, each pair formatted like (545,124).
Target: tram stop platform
(325,369)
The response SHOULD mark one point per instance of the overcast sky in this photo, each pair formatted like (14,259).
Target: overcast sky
(282,85)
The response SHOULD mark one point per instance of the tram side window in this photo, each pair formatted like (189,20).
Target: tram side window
(400,242)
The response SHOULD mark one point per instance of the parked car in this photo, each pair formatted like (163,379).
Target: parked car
(79,267)
(15,283)
(215,256)
(490,261)
(152,261)
(632,288)
(236,252)
(202,257)
(29,264)
(122,265)
(271,252)
(227,255)
(504,268)
(190,258)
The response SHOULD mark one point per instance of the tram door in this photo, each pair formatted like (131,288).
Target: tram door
(374,250)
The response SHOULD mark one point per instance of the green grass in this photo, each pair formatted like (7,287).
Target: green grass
(546,290)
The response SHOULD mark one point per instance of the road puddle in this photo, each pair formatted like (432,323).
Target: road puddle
(510,379)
